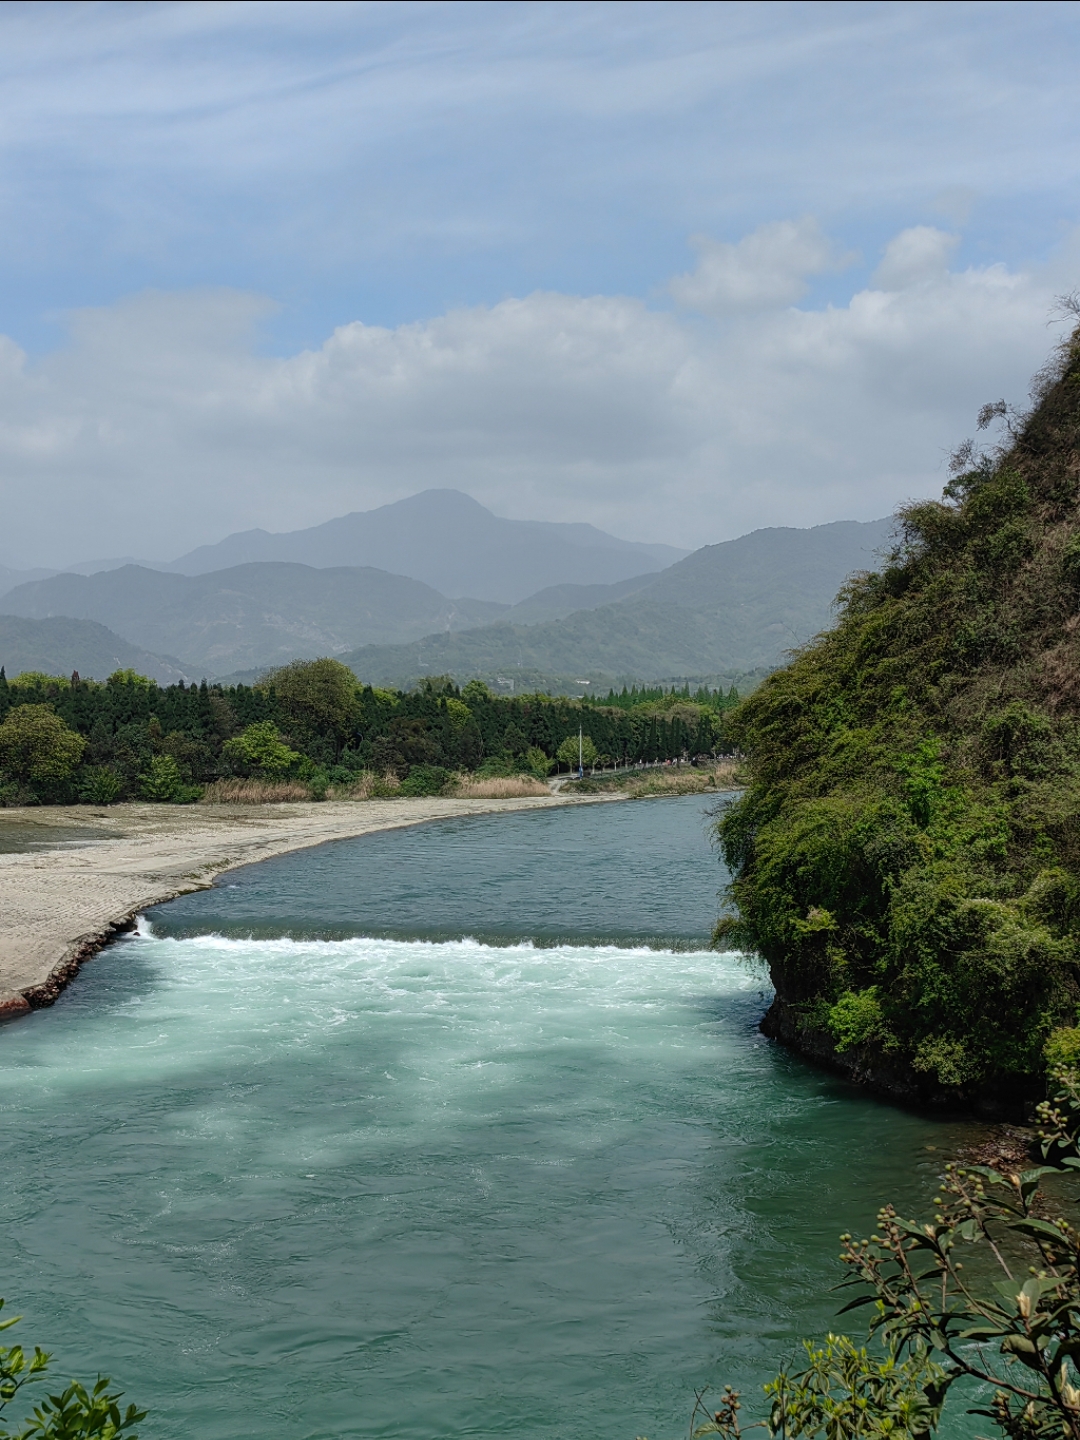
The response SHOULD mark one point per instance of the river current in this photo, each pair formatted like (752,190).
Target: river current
(458,1130)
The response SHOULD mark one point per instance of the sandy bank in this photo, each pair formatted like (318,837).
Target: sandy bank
(59,905)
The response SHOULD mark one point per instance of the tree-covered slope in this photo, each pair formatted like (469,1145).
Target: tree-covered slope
(252,615)
(58,646)
(907,857)
(728,608)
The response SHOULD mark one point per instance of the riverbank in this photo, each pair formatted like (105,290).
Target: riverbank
(653,780)
(72,877)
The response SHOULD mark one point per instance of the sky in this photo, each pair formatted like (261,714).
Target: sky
(679,270)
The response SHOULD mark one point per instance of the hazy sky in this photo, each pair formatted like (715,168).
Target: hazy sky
(680,270)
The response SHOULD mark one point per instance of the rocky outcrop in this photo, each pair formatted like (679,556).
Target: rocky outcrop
(890,1075)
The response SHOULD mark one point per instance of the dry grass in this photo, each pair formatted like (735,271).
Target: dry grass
(367,786)
(254,792)
(500,787)
(673,780)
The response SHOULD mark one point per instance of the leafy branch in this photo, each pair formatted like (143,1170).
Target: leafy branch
(1009,1322)
(75,1414)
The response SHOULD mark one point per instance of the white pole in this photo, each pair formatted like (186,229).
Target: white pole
(580,753)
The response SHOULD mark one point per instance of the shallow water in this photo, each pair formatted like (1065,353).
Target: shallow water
(377,1185)
(19,837)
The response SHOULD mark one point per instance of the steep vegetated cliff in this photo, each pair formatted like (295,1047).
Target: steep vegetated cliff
(907,857)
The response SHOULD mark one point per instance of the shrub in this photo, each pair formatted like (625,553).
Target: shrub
(855,1018)
(163,783)
(1004,1333)
(537,763)
(1062,1049)
(497,767)
(262,749)
(100,785)
(318,784)
(426,780)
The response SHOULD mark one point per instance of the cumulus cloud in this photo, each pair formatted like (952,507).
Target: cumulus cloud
(915,257)
(766,268)
(163,424)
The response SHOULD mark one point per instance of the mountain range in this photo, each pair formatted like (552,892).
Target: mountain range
(443,538)
(733,607)
(730,608)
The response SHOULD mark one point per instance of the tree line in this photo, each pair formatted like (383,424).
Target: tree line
(64,740)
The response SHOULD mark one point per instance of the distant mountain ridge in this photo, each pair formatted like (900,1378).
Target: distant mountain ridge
(449,541)
(730,608)
(10,578)
(251,615)
(734,607)
(59,645)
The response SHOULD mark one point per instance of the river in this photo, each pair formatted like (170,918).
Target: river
(455,1130)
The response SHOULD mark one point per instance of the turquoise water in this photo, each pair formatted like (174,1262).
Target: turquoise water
(342,1178)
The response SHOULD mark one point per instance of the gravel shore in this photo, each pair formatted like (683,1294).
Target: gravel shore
(72,877)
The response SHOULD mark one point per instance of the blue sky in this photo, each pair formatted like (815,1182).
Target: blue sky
(227,225)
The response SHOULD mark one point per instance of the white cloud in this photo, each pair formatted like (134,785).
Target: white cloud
(915,257)
(163,425)
(766,268)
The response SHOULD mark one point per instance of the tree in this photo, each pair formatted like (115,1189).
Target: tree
(1009,1321)
(537,762)
(569,751)
(77,1413)
(37,747)
(163,782)
(320,696)
(261,748)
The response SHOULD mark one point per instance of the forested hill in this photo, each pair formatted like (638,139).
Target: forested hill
(59,645)
(908,855)
(728,608)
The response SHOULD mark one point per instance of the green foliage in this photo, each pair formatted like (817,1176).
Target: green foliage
(35,679)
(916,778)
(984,1294)
(855,1018)
(426,780)
(38,748)
(318,783)
(260,750)
(573,748)
(164,783)
(1062,1049)
(313,723)
(319,696)
(76,1413)
(537,763)
(129,677)
(458,711)
(498,767)
(100,785)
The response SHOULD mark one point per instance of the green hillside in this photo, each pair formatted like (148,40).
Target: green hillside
(726,609)
(58,646)
(252,615)
(908,856)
